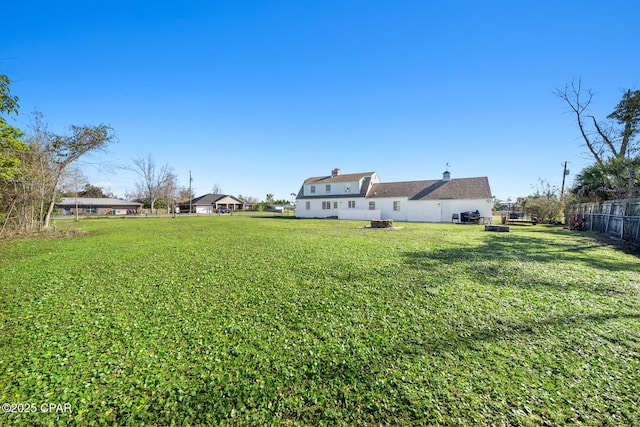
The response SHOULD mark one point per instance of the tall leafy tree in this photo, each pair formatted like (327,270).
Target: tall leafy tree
(627,115)
(64,150)
(608,180)
(11,144)
(93,191)
(545,201)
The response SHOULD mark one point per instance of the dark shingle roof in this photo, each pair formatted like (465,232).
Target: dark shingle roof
(460,188)
(209,199)
(96,201)
(434,189)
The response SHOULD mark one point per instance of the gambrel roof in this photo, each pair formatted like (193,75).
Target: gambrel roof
(333,179)
(349,177)
(460,188)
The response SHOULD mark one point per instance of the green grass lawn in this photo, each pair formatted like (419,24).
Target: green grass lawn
(253,321)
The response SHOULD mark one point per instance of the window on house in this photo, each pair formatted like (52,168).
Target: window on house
(335,205)
(372,206)
(396,206)
(326,205)
(307,205)
(313,189)
(327,188)
(347,188)
(352,204)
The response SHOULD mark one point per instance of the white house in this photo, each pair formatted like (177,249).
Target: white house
(362,196)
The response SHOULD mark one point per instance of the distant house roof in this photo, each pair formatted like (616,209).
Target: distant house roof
(460,188)
(96,201)
(209,199)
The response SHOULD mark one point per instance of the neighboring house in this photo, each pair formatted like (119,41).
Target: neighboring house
(211,203)
(362,196)
(97,205)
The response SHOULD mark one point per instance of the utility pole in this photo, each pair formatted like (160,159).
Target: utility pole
(626,211)
(190,193)
(565,172)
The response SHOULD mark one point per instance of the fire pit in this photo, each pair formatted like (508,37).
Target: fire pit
(381,223)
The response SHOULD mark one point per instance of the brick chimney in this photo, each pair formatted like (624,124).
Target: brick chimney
(335,172)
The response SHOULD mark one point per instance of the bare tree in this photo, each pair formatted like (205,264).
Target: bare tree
(73,182)
(169,190)
(25,194)
(156,182)
(610,138)
(216,189)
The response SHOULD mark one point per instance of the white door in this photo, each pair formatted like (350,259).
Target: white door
(445,211)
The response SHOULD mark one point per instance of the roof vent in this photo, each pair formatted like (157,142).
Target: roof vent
(335,172)
(446,176)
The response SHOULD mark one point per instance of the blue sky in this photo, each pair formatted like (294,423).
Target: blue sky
(256,96)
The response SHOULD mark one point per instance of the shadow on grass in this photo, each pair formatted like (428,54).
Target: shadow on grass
(472,337)
(573,248)
(510,259)
(603,239)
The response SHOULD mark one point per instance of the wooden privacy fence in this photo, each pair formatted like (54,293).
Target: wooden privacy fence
(616,218)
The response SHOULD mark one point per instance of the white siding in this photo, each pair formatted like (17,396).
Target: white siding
(316,210)
(337,189)
(441,210)
(410,210)
(425,211)
(386,208)
(363,214)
